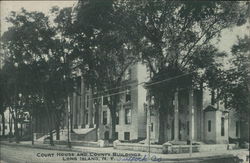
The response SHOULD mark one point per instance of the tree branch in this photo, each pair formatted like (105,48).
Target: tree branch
(197,41)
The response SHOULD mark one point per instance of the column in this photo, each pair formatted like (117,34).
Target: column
(74,109)
(79,110)
(147,106)
(201,114)
(198,116)
(191,115)
(99,131)
(71,113)
(69,120)
(176,116)
(82,107)
(90,110)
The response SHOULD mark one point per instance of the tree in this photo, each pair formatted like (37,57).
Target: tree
(36,54)
(10,95)
(173,35)
(102,50)
(2,105)
(237,90)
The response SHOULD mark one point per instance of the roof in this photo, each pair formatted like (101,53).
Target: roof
(210,108)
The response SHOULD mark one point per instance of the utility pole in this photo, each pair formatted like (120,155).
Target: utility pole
(68,112)
(32,126)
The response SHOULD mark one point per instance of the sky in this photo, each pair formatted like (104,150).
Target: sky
(229,36)
(43,6)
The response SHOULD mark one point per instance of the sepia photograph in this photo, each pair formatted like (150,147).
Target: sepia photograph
(124,81)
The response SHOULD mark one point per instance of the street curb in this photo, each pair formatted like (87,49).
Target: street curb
(206,158)
(37,146)
(40,146)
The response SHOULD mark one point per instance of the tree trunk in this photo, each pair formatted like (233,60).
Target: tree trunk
(112,107)
(49,122)
(58,120)
(212,97)
(32,128)
(16,130)
(97,118)
(71,121)
(50,132)
(10,125)
(162,127)
(113,123)
(3,123)
(51,137)
(165,105)
(50,129)
(57,132)
(21,129)
(97,124)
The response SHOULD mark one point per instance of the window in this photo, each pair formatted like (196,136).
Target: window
(117,118)
(128,95)
(105,101)
(126,135)
(87,101)
(172,130)
(152,127)
(153,100)
(128,74)
(209,126)
(5,127)
(222,126)
(106,135)
(187,127)
(127,116)
(237,128)
(87,117)
(105,118)
(116,136)
(87,87)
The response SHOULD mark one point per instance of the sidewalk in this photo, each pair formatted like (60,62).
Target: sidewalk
(229,154)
